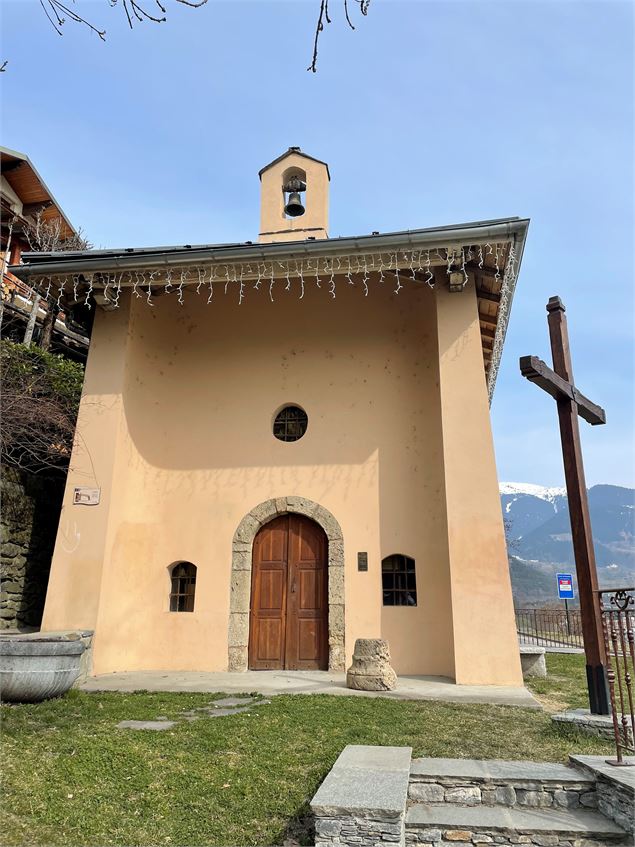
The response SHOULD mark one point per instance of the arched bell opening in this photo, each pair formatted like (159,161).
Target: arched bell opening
(293,189)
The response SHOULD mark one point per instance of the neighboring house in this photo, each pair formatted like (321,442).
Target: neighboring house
(24,195)
(286,445)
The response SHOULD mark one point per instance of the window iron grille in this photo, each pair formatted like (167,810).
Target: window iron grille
(183,587)
(399,581)
(290,423)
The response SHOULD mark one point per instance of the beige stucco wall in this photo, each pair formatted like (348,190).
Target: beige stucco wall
(485,641)
(175,428)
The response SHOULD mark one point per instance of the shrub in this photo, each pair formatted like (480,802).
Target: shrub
(40,398)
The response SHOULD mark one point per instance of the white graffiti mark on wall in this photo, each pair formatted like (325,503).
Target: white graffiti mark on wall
(70,536)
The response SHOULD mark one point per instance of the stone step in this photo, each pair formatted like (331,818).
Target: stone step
(494,782)
(447,824)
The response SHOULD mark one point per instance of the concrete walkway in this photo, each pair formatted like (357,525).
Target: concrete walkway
(308,682)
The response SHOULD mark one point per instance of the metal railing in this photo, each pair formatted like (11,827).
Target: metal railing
(550,627)
(618,625)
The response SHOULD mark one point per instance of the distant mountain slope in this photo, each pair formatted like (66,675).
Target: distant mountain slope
(539,536)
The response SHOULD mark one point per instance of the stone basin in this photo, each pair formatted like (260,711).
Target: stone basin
(35,667)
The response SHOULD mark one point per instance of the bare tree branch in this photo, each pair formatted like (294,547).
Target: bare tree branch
(57,6)
(323,18)
(139,10)
(46,236)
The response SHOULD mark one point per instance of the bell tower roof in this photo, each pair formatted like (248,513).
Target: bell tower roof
(290,152)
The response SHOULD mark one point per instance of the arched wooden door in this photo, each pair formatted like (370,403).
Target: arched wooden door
(288,621)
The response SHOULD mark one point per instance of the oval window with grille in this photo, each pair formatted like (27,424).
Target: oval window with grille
(290,423)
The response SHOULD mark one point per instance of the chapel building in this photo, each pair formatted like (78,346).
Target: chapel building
(285,445)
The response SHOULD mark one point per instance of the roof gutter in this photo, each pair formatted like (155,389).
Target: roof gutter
(470,234)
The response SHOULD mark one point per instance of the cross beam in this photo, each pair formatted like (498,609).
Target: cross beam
(571,403)
(535,370)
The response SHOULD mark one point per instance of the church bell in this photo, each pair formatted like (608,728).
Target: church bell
(293,207)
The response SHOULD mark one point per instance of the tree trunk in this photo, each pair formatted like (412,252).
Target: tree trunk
(28,334)
(48,326)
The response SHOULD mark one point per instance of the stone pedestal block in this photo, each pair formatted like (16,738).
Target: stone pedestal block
(371,670)
(532,661)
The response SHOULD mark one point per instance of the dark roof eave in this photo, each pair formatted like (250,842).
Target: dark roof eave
(38,264)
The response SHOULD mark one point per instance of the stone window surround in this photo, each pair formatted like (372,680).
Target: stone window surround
(240,591)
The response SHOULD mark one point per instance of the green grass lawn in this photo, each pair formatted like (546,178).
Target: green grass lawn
(565,685)
(70,777)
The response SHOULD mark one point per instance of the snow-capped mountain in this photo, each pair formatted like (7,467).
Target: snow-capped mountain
(527,506)
(539,536)
(551,495)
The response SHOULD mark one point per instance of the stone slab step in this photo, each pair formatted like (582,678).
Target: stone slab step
(497,771)
(499,820)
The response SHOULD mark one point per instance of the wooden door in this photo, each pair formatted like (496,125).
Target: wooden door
(288,625)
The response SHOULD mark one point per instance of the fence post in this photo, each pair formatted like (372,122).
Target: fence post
(618,623)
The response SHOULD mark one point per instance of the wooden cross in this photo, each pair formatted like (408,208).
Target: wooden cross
(571,403)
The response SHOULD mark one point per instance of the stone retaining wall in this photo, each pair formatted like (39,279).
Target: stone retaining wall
(617,803)
(468,793)
(371,797)
(583,721)
(354,830)
(452,837)
(363,798)
(615,789)
(30,514)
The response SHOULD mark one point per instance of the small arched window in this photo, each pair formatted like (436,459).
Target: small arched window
(183,576)
(399,580)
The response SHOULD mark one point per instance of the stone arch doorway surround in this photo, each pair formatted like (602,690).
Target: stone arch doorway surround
(238,635)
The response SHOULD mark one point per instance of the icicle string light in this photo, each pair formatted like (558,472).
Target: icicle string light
(402,265)
(115,301)
(241,290)
(60,293)
(201,279)
(406,267)
(211,286)
(510,273)
(89,291)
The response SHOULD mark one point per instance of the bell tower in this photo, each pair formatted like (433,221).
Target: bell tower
(294,198)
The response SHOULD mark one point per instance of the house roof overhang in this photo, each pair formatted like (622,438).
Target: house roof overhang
(34,194)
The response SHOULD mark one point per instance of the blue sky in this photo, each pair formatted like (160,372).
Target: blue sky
(430,113)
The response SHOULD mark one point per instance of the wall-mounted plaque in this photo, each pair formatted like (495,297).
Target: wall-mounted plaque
(86,496)
(362,561)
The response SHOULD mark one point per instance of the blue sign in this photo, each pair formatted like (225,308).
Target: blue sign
(565,586)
